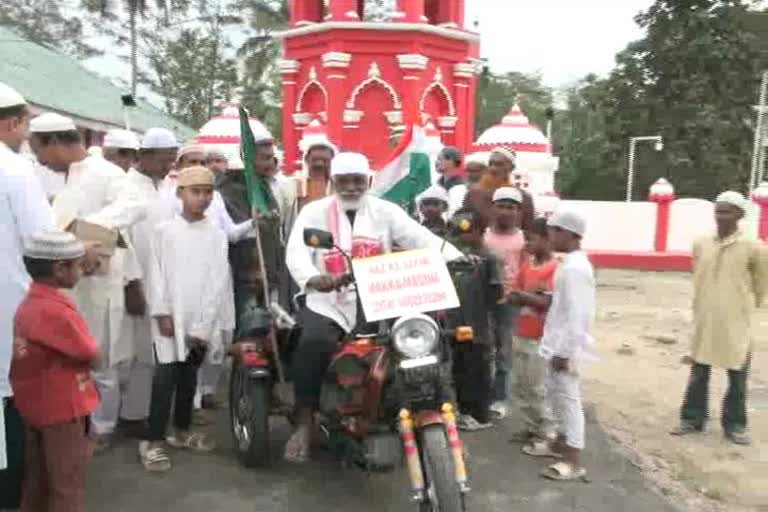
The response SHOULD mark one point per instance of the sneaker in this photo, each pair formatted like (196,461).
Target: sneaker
(499,410)
(739,437)
(468,423)
(685,428)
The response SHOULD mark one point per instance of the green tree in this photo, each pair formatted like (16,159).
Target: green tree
(191,75)
(496,94)
(44,22)
(692,79)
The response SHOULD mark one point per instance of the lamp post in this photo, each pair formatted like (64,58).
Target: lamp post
(756,172)
(658,145)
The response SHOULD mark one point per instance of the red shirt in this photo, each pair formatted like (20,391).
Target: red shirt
(52,354)
(531,278)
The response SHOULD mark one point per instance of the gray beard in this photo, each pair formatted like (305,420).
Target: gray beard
(347,205)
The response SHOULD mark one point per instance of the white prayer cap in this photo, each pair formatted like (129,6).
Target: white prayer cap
(508,194)
(568,221)
(190,148)
(159,138)
(53,246)
(121,139)
(214,152)
(350,163)
(434,192)
(9,97)
(51,122)
(509,154)
(734,199)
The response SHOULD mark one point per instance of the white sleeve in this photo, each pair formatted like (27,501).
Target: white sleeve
(409,234)
(578,296)
(298,257)
(456,198)
(210,306)
(125,206)
(220,216)
(159,298)
(29,206)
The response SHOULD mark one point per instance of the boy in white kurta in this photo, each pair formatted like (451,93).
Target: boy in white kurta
(187,298)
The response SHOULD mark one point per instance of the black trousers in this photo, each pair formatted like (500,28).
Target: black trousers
(319,338)
(11,477)
(472,377)
(695,410)
(179,379)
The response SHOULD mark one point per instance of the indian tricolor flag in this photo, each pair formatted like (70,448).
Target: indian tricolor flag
(407,172)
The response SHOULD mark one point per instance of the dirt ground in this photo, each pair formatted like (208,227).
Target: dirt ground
(642,331)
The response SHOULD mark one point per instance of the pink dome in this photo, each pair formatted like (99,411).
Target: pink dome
(516,132)
(222,132)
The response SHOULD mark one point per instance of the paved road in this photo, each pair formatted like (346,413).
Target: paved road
(502,480)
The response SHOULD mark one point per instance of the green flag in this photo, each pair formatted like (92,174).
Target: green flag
(259,193)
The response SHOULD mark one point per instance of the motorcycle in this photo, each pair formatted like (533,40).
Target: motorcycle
(387,396)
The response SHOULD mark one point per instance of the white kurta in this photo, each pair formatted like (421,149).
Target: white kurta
(188,281)
(377,219)
(99,192)
(161,206)
(24,211)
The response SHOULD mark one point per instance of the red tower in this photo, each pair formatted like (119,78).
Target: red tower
(360,77)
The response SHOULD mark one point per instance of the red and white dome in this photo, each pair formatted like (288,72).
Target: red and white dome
(222,133)
(516,132)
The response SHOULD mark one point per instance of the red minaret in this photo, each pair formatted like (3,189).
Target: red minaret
(360,77)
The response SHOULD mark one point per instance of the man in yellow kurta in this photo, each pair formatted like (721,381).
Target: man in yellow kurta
(730,279)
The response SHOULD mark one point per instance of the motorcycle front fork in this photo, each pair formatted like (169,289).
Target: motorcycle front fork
(415,469)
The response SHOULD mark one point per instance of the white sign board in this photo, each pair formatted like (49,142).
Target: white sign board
(400,283)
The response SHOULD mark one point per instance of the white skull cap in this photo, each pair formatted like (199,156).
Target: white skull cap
(434,192)
(51,122)
(734,199)
(121,139)
(509,194)
(159,138)
(350,163)
(10,97)
(568,221)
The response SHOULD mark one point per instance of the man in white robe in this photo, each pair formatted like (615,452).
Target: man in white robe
(24,212)
(97,192)
(364,226)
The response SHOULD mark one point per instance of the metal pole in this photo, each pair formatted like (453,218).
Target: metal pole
(126,117)
(549,131)
(754,176)
(631,171)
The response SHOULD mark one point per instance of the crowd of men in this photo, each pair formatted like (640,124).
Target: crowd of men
(125,275)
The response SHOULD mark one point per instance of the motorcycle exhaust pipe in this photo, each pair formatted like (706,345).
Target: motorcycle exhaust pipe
(412,455)
(460,469)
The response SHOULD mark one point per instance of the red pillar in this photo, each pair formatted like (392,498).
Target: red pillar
(343,10)
(289,69)
(410,11)
(663,194)
(760,196)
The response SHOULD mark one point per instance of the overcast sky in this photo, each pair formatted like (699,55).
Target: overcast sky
(562,39)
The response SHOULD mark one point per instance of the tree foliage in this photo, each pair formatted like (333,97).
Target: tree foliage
(47,23)
(692,79)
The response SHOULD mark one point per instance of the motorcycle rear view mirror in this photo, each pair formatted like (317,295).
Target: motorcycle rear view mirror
(318,239)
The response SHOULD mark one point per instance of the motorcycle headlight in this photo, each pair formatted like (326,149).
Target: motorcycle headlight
(415,335)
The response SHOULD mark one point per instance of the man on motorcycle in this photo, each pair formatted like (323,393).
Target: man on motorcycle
(363,226)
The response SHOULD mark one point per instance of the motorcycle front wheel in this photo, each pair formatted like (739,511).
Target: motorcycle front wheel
(443,492)
(249,405)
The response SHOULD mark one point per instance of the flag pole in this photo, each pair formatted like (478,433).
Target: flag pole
(265,281)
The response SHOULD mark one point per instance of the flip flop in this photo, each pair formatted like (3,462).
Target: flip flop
(540,448)
(195,441)
(297,449)
(155,460)
(564,472)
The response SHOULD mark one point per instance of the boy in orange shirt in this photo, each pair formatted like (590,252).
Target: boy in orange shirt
(53,353)
(535,283)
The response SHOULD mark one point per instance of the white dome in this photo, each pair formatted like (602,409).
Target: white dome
(223,133)
(516,132)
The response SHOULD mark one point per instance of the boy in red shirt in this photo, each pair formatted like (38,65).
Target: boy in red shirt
(535,282)
(53,353)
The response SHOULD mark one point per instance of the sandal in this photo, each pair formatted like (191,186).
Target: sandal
(564,472)
(297,448)
(195,441)
(155,460)
(540,448)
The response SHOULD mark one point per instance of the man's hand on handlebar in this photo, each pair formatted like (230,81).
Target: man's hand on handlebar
(322,283)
